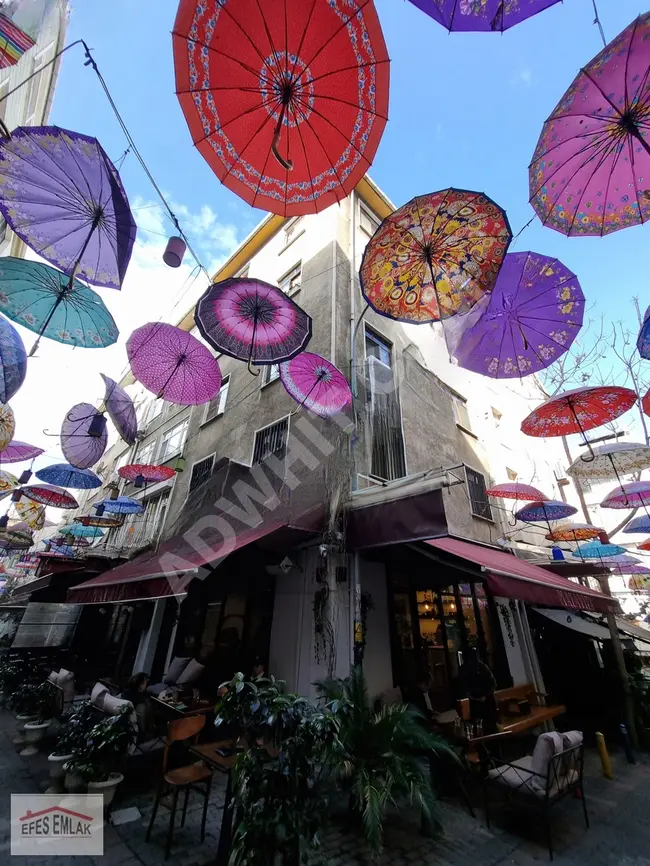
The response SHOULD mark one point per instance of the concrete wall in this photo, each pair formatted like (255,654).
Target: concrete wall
(377,665)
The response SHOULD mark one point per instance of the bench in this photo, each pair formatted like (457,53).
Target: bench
(516,722)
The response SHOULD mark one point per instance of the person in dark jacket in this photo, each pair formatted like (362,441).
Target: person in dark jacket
(476,682)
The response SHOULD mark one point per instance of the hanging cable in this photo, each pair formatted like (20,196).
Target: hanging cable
(597,22)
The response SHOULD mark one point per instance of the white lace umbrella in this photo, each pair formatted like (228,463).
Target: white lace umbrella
(613,460)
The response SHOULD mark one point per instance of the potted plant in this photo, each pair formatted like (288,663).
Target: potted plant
(16,671)
(94,763)
(32,704)
(76,724)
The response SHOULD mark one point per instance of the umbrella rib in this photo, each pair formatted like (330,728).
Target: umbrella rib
(67,190)
(210,47)
(304,150)
(342,26)
(268,32)
(302,38)
(224,8)
(352,105)
(356,66)
(325,153)
(326,119)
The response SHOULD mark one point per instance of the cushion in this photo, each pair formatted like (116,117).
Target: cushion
(113,705)
(54,678)
(175,669)
(191,673)
(570,739)
(546,746)
(98,695)
(66,683)
(517,778)
(156,689)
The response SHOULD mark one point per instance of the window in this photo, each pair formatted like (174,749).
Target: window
(512,475)
(290,282)
(497,416)
(269,374)
(461,414)
(368,222)
(154,410)
(292,230)
(123,459)
(377,347)
(145,453)
(479,504)
(140,529)
(271,440)
(217,405)
(201,471)
(172,442)
(38,87)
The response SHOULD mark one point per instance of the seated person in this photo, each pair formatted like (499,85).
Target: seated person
(136,693)
(476,682)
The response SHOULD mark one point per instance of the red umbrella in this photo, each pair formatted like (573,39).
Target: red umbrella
(514,490)
(644,545)
(104,522)
(578,410)
(145,473)
(287,100)
(49,494)
(645,402)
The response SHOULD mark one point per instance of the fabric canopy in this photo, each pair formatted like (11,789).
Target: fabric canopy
(575,623)
(510,577)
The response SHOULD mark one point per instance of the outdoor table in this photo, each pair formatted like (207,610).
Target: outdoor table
(209,753)
(183,706)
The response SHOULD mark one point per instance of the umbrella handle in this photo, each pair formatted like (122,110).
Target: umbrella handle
(251,369)
(285,163)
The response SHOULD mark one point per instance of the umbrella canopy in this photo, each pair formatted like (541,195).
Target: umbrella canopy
(515,490)
(65,550)
(146,472)
(13,539)
(643,545)
(531,318)
(632,495)
(640,581)
(578,410)
(645,402)
(13,360)
(611,461)
(643,340)
(589,173)
(7,426)
(62,195)
(49,494)
(573,532)
(253,321)
(640,524)
(316,384)
(121,505)
(598,550)
(8,482)
(52,305)
(13,42)
(65,475)
(173,364)
(435,256)
(81,448)
(290,115)
(78,530)
(550,509)
(121,410)
(17,452)
(487,16)
(102,522)
(30,513)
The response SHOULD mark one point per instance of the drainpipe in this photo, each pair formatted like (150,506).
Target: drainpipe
(333,294)
(355,583)
(353,304)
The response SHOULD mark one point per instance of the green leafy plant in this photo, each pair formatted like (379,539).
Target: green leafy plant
(380,754)
(16,671)
(76,725)
(278,781)
(32,700)
(104,747)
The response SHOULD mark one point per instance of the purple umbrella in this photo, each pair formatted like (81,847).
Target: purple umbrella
(81,445)
(529,320)
(552,509)
(173,364)
(17,452)
(62,195)
(121,410)
(316,384)
(253,321)
(481,15)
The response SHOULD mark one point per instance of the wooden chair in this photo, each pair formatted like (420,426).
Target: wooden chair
(193,777)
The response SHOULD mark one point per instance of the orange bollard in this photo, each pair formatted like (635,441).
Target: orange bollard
(604,756)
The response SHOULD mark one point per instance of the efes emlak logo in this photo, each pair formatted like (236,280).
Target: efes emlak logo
(55,821)
(50,824)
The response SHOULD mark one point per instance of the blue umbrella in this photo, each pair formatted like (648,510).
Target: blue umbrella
(65,475)
(551,509)
(598,550)
(80,531)
(62,550)
(638,524)
(13,360)
(643,340)
(121,505)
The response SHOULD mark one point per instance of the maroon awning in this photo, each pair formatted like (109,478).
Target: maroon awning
(510,577)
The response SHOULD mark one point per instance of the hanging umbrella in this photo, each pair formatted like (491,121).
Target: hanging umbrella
(173,364)
(632,495)
(316,384)
(645,403)
(54,306)
(7,426)
(63,550)
(253,321)
(435,256)
(17,452)
(551,509)
(286,102)
(640,581)
(643,340)
(83,436)
(573,532)
(49,494)
(598,550)
(643,545)
(121,410)
(145,473)
(64,475)
(102,522)
(12,539)
(515,490)
(62,195)
(623,560)
(8,482)
(484,15)
(30,513)
(78,530)
(578,411)
(590,172)
(14,41)
(611,460)
(531,318)
(121,505)
(640,524)
(13,360)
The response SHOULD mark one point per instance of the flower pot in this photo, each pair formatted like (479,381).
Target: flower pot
(21,721)
(57,773)
(73,784)
(34,733)
(106,788)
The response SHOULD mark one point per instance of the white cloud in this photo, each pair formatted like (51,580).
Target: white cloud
(522,78)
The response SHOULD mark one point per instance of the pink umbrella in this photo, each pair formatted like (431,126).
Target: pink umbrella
(514,490)
(316,384)
(17,452)
(83,435)
(49,494)
(145,473)
(173,364)
(590,173)
(632,495)
(121,410)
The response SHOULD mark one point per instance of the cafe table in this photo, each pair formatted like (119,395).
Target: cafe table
(221,756)
(182,707)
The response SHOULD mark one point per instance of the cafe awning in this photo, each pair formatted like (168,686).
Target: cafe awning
(575,622)
(510,577)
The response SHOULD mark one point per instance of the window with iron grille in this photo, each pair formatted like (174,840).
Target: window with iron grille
(368,221)
(145,453)
(271,440)
(479,504)
(217,406)
(140,529)
(201,471)
(289,283)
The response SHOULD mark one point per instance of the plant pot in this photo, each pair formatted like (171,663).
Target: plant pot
(21,721)
(57,772)
(34,733)
(73,784)
(106,788)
